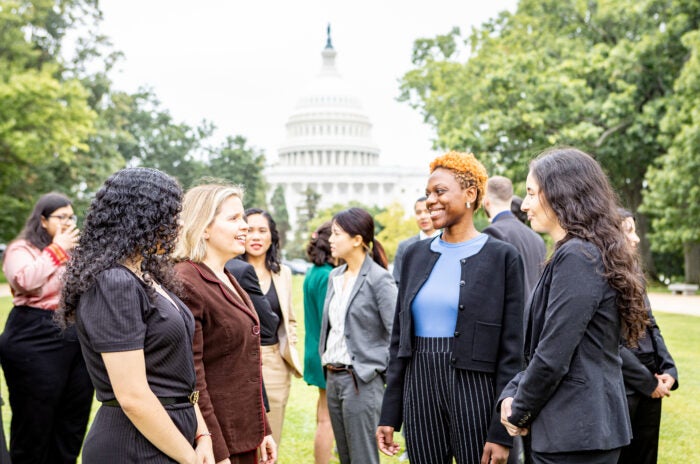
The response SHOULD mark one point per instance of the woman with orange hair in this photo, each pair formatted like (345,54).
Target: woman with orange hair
(457,333)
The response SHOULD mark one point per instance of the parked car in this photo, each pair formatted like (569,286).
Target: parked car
(297,265)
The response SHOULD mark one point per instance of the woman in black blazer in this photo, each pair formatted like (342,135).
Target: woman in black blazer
(571,396)
(457,336)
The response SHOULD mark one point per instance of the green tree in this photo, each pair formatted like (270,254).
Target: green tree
(590,74)
(278,206)
(672,198)
(242,165)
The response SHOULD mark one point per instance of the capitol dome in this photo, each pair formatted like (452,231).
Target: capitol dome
(328,150)
(328,126)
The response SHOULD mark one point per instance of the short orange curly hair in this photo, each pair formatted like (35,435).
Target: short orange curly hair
(467,169)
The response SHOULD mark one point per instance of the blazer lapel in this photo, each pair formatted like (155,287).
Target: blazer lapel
(361,276)
(243,303)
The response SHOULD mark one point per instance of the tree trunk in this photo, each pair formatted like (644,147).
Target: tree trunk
(645,246)
(691,252)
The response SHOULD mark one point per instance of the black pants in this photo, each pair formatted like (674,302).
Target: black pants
(50,390)
(645,414)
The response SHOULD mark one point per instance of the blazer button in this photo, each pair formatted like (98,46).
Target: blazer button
(463,260)
(456,333)
(462,283)
(256,330)
(453,360)
(461,307)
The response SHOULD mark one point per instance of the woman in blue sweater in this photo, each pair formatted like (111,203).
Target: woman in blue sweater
(457,336)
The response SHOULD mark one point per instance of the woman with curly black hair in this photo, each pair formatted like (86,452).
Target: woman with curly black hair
(571,396)
(136,335)
(50,390)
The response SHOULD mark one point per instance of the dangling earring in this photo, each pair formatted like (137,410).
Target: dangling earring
(469,205)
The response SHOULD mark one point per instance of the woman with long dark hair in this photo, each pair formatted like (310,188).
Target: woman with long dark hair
(136,335)
(457,337)
(50,390)
(571,396)
(280,357)
(318,251)
(355,333)
(650,374)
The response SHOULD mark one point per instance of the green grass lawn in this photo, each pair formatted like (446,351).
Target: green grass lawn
(680,425)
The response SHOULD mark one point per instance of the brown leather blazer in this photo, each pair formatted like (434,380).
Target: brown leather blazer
(227,360)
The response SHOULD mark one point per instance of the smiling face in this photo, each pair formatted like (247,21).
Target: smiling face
(59,220)
(539,213)
(259,237)
(342,244)
(447,199)
(226,235)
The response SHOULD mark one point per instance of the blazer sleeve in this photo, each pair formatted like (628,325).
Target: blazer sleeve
(636,375)
(192,298)
(398,261)
(392,404)
(385,291)
(510,358)
(666,363)
(574,297)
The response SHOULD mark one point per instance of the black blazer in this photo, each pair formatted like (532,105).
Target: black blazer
(571,395)
(508,228)
(638,379)
(489,332)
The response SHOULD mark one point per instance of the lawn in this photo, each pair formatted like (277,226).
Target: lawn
(680,422)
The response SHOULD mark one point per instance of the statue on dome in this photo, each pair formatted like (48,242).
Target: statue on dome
(329,44)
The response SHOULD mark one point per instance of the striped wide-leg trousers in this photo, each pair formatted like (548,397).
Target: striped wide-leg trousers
(447,411)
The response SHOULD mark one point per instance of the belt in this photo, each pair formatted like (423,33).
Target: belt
(192,399)
(343,369)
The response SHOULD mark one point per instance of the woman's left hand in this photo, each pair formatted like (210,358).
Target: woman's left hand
(495,453)
(205,450)
(513,430)
(268,450)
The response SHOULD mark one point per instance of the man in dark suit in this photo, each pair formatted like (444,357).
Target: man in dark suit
(505,226)
(426,231)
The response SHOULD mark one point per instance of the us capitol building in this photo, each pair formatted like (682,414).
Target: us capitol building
(329,149)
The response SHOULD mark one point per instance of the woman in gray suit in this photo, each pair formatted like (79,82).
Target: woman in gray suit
(355,332)
(571,396)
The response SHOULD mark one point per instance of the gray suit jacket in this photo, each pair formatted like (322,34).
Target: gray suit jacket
(529,244)
(368,320)
(398,258)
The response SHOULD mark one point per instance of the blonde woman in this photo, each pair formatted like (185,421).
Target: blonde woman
(227,330)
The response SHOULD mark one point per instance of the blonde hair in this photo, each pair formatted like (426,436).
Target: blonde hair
(200,206)
(468,171)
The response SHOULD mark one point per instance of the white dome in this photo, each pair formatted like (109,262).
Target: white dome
(328,126)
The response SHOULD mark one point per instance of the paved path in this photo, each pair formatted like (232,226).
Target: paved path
(665,302)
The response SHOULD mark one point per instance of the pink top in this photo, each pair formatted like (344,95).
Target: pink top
(35,275)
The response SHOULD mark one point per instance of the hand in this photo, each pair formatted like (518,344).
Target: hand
(268,450)
(66,238)
(660,391)
(385,440)
(205,450)
(494,453)
(668,381)
(506,412)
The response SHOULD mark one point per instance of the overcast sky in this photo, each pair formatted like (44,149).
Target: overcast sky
(244,64)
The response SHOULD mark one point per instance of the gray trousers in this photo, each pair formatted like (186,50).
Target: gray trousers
(354,416)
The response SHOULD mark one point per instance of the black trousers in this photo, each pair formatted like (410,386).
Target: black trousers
(50,390)
(645,414)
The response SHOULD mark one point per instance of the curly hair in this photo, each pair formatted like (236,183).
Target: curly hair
(578,191)
(34,232)
(467,169)
(134,214)
(319,248)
